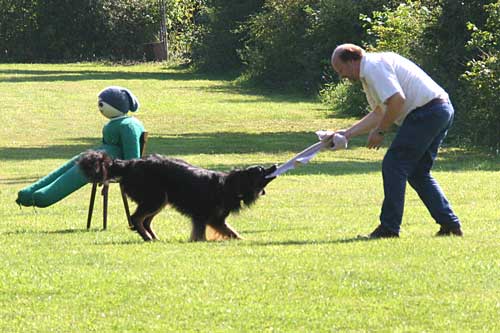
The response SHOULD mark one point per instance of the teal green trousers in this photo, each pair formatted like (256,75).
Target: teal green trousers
(59,183)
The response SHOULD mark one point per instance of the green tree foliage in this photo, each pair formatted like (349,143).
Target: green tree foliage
(290,41)
(404,30)
(125,26)
(434,34)
(483,81)
(220,34)
(76,29)
(17,24)
(274,51)
(345,98)
(182,26)
(449,38)
(279,42)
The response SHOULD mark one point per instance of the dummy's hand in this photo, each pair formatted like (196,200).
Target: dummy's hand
(375,139)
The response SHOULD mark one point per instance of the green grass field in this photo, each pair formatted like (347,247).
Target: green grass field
(300,269)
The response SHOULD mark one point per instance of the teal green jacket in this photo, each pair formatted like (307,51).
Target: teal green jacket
(122,137)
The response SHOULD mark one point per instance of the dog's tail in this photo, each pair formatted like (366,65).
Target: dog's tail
(99,167)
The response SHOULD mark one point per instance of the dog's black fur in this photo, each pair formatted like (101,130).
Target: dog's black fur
(206,196)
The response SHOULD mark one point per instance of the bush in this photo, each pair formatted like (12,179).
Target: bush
(274,52)
(75,29)
(220,35)
(17,28)
(123,27)
(404,30)
(448,45)
(182,26)
(345,98)
(483,82)
(290,41)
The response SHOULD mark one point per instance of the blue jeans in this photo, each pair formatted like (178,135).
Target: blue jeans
(410,158)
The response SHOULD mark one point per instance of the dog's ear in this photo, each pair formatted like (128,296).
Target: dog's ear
(95,165)
(102,168)
(243,185)
(239,182)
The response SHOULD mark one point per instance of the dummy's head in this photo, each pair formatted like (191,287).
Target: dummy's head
(116,101)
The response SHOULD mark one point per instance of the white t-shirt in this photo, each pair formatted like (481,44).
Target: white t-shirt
(384,74)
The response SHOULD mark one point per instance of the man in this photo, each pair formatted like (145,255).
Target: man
(399,92)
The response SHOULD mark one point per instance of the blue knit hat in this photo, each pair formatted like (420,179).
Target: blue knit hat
(116,101)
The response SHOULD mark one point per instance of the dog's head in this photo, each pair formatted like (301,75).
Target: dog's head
(95,164)
(248,184)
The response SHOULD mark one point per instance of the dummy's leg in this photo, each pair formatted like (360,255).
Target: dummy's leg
(63,186)
(60,182)
(25,196)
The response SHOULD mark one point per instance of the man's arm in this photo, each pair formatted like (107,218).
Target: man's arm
(393,111)
(367,123)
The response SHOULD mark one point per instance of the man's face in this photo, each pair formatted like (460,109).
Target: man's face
(346,70)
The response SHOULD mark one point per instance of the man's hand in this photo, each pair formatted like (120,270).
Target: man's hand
(375,138)
(394,107)
(345,132)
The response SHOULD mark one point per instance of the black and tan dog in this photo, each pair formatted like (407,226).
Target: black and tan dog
(206,196)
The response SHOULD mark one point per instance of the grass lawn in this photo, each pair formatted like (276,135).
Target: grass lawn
(300,269)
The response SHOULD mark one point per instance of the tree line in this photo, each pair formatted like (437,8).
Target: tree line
(280,43)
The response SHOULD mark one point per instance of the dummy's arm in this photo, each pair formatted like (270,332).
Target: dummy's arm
(130,138)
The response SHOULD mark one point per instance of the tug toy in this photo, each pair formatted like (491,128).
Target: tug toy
(327,140)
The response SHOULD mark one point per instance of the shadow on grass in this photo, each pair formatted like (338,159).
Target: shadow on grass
(309,242)
(65,151)
(17,180)
(298,242)
(179,144)
(290,143)
(244,243)
(34,75)
(73,231)
(240,243)
(122,242)
(48,232)
(170,74)
(267,231)
(289,242)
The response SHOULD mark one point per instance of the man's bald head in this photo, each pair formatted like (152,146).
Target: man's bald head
(346,52)
(346,60)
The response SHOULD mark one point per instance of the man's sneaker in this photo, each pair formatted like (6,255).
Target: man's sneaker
(450,231)
(381,232)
